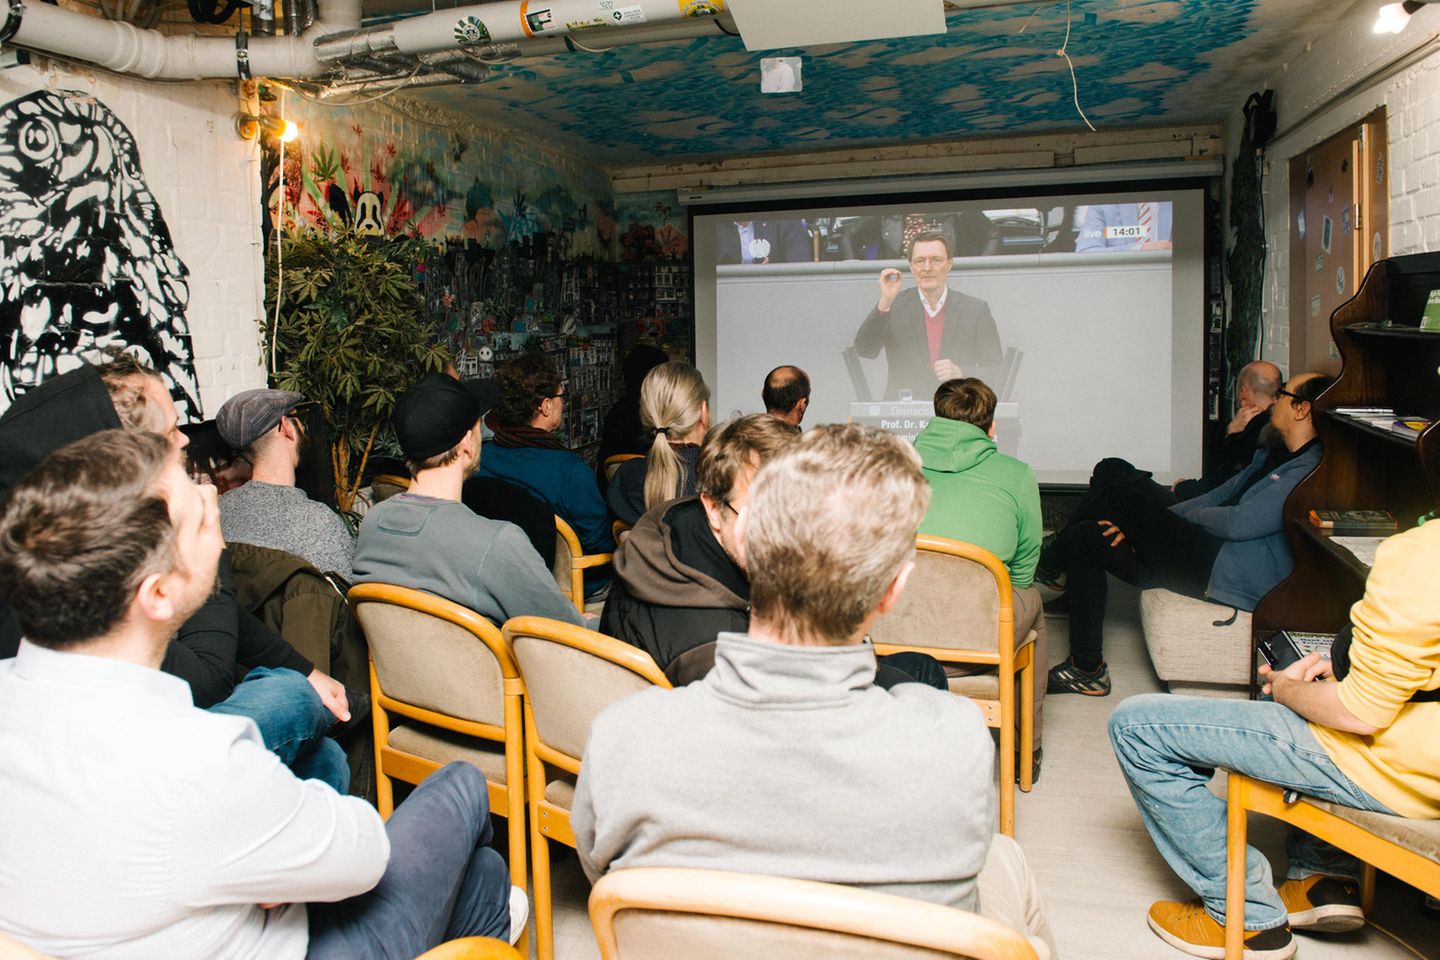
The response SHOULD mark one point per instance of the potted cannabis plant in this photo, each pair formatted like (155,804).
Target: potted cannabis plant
(350,333)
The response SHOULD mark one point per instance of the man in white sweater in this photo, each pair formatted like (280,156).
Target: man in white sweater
(139,826)
(787,759)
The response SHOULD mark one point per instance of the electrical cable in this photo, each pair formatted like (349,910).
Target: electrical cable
(1074,84)
(279,247)
(323,101)
(1392,936)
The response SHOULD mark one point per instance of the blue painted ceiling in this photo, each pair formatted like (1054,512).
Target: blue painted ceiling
(995,72)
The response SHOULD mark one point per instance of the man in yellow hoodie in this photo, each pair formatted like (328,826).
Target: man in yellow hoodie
(1370,741)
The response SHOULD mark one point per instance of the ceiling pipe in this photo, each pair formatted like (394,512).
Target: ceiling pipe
(120,47)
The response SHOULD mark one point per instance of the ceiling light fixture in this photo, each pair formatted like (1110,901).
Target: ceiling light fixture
(248,126)
(1393,17)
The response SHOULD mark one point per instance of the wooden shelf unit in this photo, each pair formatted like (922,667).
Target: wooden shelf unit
(1386,361)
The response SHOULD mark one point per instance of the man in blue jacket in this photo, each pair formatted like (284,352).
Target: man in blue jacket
(1227,546)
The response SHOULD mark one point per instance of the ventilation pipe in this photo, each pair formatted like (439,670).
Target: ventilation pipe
(501,30)
(120,47)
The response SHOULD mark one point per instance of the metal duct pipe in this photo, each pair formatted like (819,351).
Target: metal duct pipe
(292,17)
(119,46)
(370,86)
(497,23)
(458,65)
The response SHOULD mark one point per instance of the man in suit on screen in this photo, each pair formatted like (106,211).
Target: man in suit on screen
(931,332)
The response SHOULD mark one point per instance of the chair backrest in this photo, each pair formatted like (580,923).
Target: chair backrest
(434,654)
(571,674)
(613,463)
(958,598)
(655,913)
(567,551)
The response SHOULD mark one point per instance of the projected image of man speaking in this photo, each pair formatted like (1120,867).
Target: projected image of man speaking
(931,332)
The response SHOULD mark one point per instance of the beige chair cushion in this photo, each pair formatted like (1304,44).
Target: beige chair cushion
(567,688)
(1419,836)
(562,568)
(432,663)
(656,935)
(444,746)
(561,792)
(1185,644)
(949,602)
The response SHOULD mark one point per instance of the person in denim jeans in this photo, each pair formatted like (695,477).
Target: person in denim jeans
(1370,741)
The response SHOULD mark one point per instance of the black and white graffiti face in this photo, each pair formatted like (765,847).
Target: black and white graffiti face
(86,260)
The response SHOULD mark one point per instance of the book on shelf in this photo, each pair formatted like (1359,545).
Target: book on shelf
(1410,427)
(1364,411)
(1430,317)
(1354,521)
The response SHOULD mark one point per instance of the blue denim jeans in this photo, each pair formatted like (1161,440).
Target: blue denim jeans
(293,722)
(1168,748)
(443,882)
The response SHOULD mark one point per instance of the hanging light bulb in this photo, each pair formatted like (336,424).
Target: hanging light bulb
(1393,17)
(248,125)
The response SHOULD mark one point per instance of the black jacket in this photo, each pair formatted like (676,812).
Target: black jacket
(675,588)
(216,646)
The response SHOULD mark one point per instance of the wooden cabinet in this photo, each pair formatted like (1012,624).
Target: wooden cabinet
(1387,361)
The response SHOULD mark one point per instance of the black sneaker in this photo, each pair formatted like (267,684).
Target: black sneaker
(1034,766)
(1066,677)
(1322,904)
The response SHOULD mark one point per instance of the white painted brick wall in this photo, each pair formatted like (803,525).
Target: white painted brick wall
(206,181)
(1347,54)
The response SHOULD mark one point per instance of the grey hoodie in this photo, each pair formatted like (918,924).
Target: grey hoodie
(789,761)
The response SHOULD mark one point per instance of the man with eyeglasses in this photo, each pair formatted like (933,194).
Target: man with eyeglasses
(930,333)
(264,427)
(1227,546)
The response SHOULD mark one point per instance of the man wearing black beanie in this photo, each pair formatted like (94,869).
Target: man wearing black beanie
(426,539)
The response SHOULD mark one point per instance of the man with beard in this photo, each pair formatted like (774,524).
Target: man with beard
(426,539)
(269,510)
(1227,546)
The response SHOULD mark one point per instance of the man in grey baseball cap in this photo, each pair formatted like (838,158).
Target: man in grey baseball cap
(269,510)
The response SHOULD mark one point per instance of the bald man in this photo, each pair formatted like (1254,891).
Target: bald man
(1227,546)
(787,394)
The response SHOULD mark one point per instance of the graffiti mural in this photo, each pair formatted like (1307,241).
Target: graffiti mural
(86,260)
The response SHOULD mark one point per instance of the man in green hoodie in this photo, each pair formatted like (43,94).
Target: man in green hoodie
(981,496)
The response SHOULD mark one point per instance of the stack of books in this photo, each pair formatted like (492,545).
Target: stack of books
(1409,427)
(1379,417)
(1353,522)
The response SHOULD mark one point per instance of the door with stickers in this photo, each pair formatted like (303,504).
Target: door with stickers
(1339,202)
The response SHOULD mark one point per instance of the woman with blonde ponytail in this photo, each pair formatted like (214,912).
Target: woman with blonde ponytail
(675,408)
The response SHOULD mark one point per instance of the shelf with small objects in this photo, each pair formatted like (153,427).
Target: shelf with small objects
(1390,371)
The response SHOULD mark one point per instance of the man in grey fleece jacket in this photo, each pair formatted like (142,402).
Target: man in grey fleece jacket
(777,762)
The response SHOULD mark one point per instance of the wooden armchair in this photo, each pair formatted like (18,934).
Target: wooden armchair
(1404,848)
(571,562)
(447,673)
(958,607)
(662,913)
(569,674)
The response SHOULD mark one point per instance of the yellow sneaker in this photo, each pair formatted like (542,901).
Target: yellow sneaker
(1323,904)
(1190,929)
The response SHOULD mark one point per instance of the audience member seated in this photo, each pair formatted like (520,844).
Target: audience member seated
(786,394)
(1370,741)
(426,539)
(292,701)
(1230,453)
(675,408)
(981,496)
(270,511)
(680,577)
(526,452)
(1227,546)
(622,431)
(175,833)
(210,458)
(785,759)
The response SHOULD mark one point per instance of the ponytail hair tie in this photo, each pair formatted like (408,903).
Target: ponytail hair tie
(663,431)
